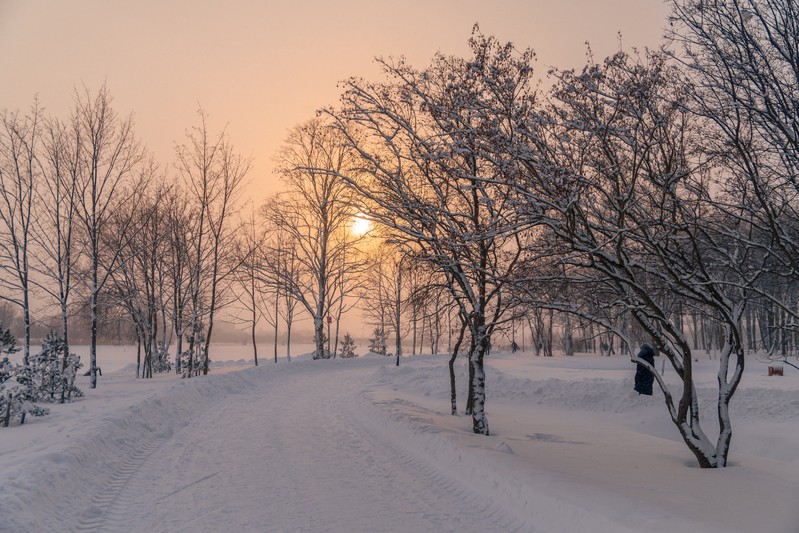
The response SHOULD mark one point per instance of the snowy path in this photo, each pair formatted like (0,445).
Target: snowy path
(311,462)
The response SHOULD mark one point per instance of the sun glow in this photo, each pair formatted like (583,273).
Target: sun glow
(360,225)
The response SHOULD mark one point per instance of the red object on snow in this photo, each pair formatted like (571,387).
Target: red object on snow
(775,370)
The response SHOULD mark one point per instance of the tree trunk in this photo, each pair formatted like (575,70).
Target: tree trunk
(479,420)
(398,314)
(413,345)
(568,343)
(93,346)
(470,389)
(319,336)
(288,340)
(26,310)
(277,308)
(453,395)
(65,332)
(254,345)
(138,352)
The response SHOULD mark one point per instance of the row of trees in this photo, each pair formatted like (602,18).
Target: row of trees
(651,190)
(90,223)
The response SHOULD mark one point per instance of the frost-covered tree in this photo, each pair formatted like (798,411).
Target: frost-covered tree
(178,225)
(377,342)
(8,346)
(57,221)
(52,379)
(43,379)
(429,171)
(140,280)
(617,174)
(742,61)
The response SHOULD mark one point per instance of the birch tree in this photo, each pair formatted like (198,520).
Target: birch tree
(109,153)
(19,178)
(179,224)
(57,220)
(141,277)
(213,176)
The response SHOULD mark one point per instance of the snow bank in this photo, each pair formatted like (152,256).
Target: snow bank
(58,469)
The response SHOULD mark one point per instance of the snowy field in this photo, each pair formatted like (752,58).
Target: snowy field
(123,358)
(361,445)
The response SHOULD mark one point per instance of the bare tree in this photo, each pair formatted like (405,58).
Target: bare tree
(249,287)
(178,223)
(386,291)
(213,175)
(19,177)
(429,172)
(57,220)
(742,61)
(314,216)
(141,275)
(284,268)
(109,153)
(617,173)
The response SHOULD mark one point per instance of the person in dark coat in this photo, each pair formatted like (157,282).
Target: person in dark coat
(643,377)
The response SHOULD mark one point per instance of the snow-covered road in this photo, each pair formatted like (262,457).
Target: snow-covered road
(285,457)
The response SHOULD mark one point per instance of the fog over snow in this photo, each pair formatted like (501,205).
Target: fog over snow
(363,445)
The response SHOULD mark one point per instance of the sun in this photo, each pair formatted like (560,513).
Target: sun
(360,225)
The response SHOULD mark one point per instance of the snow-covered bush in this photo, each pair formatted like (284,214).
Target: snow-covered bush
(53,371)
(7,343)
(7,347)
(49,377)
(325,353)
(17,386)
(191,361)
(191,364)
(377,344)
(348,347)
(161,362)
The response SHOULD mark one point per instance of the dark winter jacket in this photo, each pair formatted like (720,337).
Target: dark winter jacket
(643,377)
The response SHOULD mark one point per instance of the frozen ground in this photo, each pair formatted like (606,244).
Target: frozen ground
(361,445)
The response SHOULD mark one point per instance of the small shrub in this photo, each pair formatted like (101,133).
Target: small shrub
(348,347)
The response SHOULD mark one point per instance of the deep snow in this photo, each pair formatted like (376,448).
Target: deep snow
(361,445)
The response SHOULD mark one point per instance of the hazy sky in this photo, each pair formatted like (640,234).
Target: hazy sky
(263,66)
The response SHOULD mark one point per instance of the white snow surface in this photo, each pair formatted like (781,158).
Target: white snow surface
(363,445)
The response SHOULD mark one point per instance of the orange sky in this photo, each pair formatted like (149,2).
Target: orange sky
(263,66)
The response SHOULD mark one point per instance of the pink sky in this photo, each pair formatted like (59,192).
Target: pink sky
(263,66)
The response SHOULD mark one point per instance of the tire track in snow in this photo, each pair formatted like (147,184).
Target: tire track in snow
(105,504)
